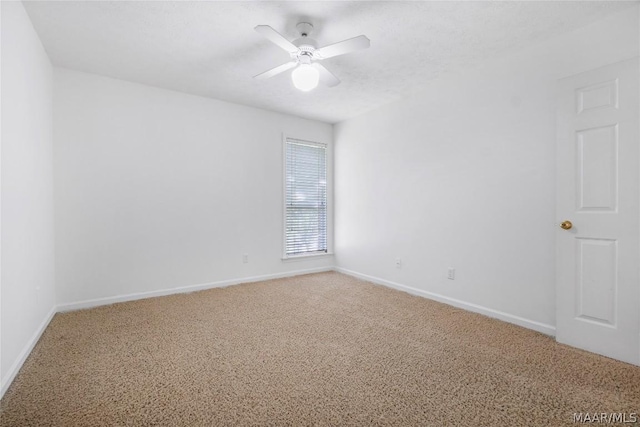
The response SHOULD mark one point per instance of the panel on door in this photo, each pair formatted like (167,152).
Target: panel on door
(598,189)
(597,180)
(596,280)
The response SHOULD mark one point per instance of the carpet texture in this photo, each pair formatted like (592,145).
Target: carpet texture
(322,349)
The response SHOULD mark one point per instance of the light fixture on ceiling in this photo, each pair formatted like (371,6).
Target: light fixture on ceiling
(305,53)
(305,77)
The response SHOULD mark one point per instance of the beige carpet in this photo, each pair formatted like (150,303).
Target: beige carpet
(323,349)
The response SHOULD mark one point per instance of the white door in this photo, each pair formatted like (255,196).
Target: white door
(598,189)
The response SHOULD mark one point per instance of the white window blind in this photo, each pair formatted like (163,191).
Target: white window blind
(305,197)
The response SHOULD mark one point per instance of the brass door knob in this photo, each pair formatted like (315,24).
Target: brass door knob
(566,225)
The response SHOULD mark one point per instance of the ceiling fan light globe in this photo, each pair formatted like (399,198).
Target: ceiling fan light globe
(305,77)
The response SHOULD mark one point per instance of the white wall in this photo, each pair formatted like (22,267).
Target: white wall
(462,175)
(157,189)
(28,292)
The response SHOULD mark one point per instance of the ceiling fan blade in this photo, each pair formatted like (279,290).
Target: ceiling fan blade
(276,38)
(345,46)
(277,70)
(326,76)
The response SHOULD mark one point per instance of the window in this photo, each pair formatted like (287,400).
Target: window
(305,198)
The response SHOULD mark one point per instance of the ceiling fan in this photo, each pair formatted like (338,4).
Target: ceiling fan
(304,53)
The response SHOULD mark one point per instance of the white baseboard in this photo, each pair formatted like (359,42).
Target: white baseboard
(26,351)
(183,289)
(510,318)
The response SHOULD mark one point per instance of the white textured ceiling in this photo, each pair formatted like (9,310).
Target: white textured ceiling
(210,48)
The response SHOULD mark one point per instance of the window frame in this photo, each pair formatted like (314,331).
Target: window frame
(329,197)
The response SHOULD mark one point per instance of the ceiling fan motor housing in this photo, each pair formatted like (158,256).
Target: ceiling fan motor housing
(306,48)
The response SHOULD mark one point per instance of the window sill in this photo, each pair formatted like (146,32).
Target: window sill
(306,256)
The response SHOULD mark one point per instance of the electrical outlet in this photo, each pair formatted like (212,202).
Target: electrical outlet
(245,258)
(451,274)
(398,262)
